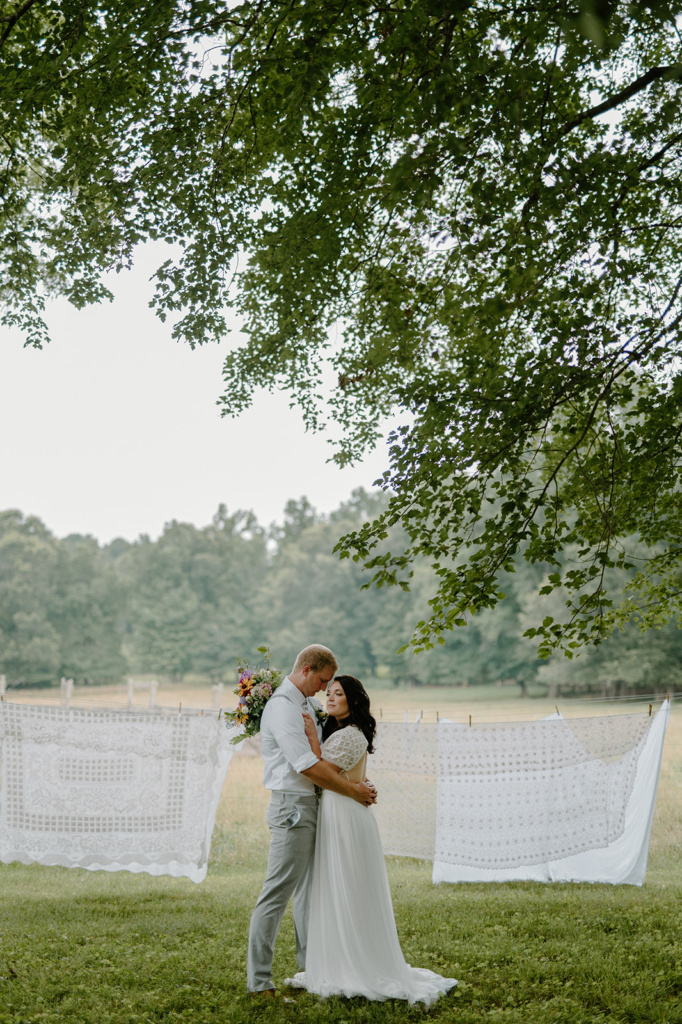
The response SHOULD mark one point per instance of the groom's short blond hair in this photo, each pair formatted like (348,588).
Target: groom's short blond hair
(317,658)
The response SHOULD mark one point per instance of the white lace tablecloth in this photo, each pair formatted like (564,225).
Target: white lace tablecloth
(110,790)
(558,799)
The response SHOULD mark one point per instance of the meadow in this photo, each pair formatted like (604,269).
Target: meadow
(98,948)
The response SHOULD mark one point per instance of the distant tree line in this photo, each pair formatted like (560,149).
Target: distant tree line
(195,600)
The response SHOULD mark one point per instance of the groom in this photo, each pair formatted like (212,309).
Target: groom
(292,772)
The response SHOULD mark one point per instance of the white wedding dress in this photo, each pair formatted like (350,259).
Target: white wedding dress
(353,946)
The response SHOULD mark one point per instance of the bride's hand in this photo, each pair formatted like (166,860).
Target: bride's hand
(309,726)
(311,733)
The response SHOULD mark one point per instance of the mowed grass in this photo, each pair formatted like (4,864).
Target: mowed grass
(102,948)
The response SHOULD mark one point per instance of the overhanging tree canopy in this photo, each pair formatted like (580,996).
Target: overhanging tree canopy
(472,211)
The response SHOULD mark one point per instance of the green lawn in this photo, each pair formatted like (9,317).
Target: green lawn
(99,948)
(117,949)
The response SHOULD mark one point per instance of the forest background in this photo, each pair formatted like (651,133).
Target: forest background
(193,601)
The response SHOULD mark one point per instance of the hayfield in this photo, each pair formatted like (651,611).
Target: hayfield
(95,948)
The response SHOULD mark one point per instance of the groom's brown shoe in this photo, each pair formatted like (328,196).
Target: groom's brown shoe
(272,993)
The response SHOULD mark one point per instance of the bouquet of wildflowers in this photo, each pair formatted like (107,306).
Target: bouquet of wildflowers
(254,689)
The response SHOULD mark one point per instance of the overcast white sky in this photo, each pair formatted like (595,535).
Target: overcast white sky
(114,430)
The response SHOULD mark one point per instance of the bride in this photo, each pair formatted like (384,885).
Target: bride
(353,946)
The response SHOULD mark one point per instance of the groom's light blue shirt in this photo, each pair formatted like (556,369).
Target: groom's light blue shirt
(284,745)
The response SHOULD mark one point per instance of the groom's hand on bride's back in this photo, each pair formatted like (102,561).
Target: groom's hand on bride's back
(366,793)
(328,776)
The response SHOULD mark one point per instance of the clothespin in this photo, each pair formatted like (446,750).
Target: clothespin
(650,707)
(469,719)
(437,717)
(180,707)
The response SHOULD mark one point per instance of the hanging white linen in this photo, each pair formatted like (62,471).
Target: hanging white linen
(552,800)
(577,805)
(560,799)
(110,790)
(405,771)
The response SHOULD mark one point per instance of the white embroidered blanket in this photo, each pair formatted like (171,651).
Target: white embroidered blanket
(110,790)
(559,799)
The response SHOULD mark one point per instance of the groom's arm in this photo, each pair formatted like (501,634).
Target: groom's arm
(326,776)
(286,725)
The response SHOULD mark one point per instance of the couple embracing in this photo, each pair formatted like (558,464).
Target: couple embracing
(327,853)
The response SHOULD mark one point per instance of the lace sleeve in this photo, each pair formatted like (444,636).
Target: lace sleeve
(345,747)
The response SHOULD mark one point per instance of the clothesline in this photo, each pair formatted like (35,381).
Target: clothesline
(503,710)
(83,703)
(473,714)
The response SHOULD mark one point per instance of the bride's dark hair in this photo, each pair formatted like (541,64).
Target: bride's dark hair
(358,707)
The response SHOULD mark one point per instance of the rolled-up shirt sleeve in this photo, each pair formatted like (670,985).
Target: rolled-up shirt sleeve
(286,725)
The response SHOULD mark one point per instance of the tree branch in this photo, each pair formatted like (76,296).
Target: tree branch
(14,18)
(669,70)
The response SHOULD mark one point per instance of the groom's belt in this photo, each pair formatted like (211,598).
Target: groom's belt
(306,798)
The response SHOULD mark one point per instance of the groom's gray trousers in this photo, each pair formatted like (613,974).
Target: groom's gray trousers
(292,820)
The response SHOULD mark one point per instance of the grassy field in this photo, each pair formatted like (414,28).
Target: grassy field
(94,948)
